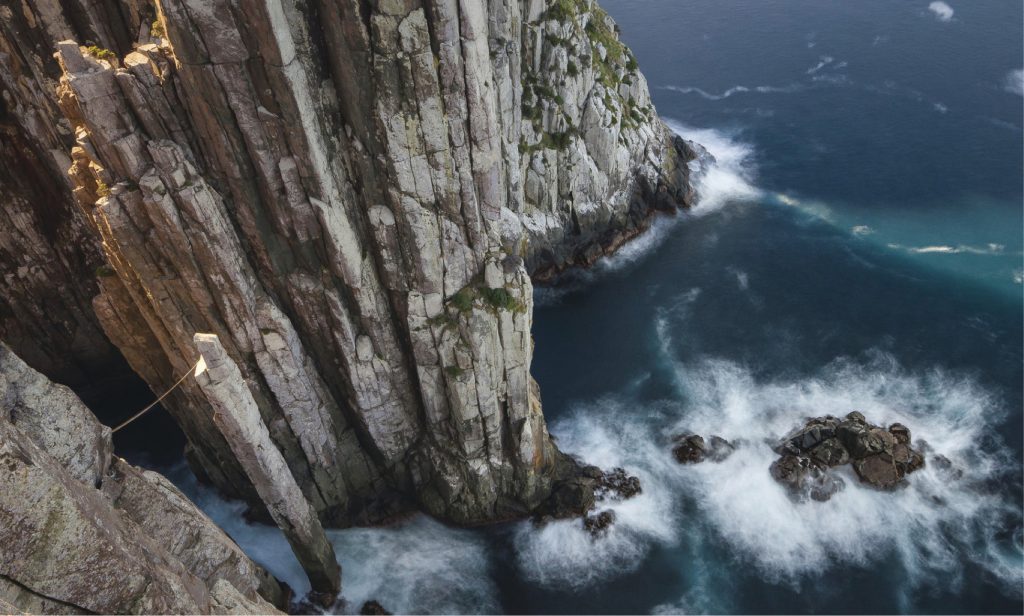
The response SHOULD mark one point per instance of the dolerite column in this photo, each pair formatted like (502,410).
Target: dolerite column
(237,416)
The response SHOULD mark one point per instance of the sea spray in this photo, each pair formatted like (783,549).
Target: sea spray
(725,174)
(416,566)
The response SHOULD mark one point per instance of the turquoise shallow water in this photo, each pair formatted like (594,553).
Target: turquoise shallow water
(857,246)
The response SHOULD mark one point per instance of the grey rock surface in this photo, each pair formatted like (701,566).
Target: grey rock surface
(81,530)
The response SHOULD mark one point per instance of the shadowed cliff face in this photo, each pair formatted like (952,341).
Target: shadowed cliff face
(351,195)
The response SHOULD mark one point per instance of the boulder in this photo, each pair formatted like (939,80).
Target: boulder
(900,432)
(805,478)
(879,471)
(689,449)
(830,452)
(810,436)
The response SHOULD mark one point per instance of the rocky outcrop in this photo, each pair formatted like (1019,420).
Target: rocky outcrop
(83,531)
(352,196)
(692,448)
(579,492)
(881,458)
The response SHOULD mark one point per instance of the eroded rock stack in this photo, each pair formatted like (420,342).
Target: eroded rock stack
(351,196)
(82,531)
(880,458)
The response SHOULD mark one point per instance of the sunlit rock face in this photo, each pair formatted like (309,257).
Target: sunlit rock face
(352,196)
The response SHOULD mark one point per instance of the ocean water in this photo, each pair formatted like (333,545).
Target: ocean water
(857,246)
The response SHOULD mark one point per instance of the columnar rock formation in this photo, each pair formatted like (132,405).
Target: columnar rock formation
(352,196)
(84,532)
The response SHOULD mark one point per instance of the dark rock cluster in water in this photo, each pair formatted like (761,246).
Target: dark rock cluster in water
(692,448)
(373,608)
(880,458)
(577,496)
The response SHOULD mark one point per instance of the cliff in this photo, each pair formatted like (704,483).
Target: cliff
(84,532)
(352,196)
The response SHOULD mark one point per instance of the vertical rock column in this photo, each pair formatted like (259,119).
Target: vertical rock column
(237,416)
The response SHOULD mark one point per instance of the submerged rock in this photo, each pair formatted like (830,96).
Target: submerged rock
(880,458)
(692,449)
(373,608)
(618,484)
(946,467)
(598,524)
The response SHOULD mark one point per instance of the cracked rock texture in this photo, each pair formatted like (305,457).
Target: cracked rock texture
(83,531)
(352,195)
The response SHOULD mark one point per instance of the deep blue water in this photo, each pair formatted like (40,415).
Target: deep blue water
(857,247)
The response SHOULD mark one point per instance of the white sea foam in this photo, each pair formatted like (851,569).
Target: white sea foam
(1014,82)
(787,89)
(420,566)
(562,554)
(730,177)
(742,279)
(417,566)
(988,249)
(932,526)
(941,10)
(861,230)
(823,61)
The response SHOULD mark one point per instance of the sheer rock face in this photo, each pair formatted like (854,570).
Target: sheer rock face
(83,531)
(352,195)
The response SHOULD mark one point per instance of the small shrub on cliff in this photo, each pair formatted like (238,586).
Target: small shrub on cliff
(100,53)
(463,300)
(102,190)
(156,30)
(453,371)
(105,271)
(501,299)
(561,10)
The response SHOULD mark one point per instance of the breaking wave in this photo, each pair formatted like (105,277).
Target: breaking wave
(723,177)
(988,249)
(941,10)
(728,175)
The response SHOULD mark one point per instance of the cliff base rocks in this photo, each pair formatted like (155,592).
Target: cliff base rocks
(579,491)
